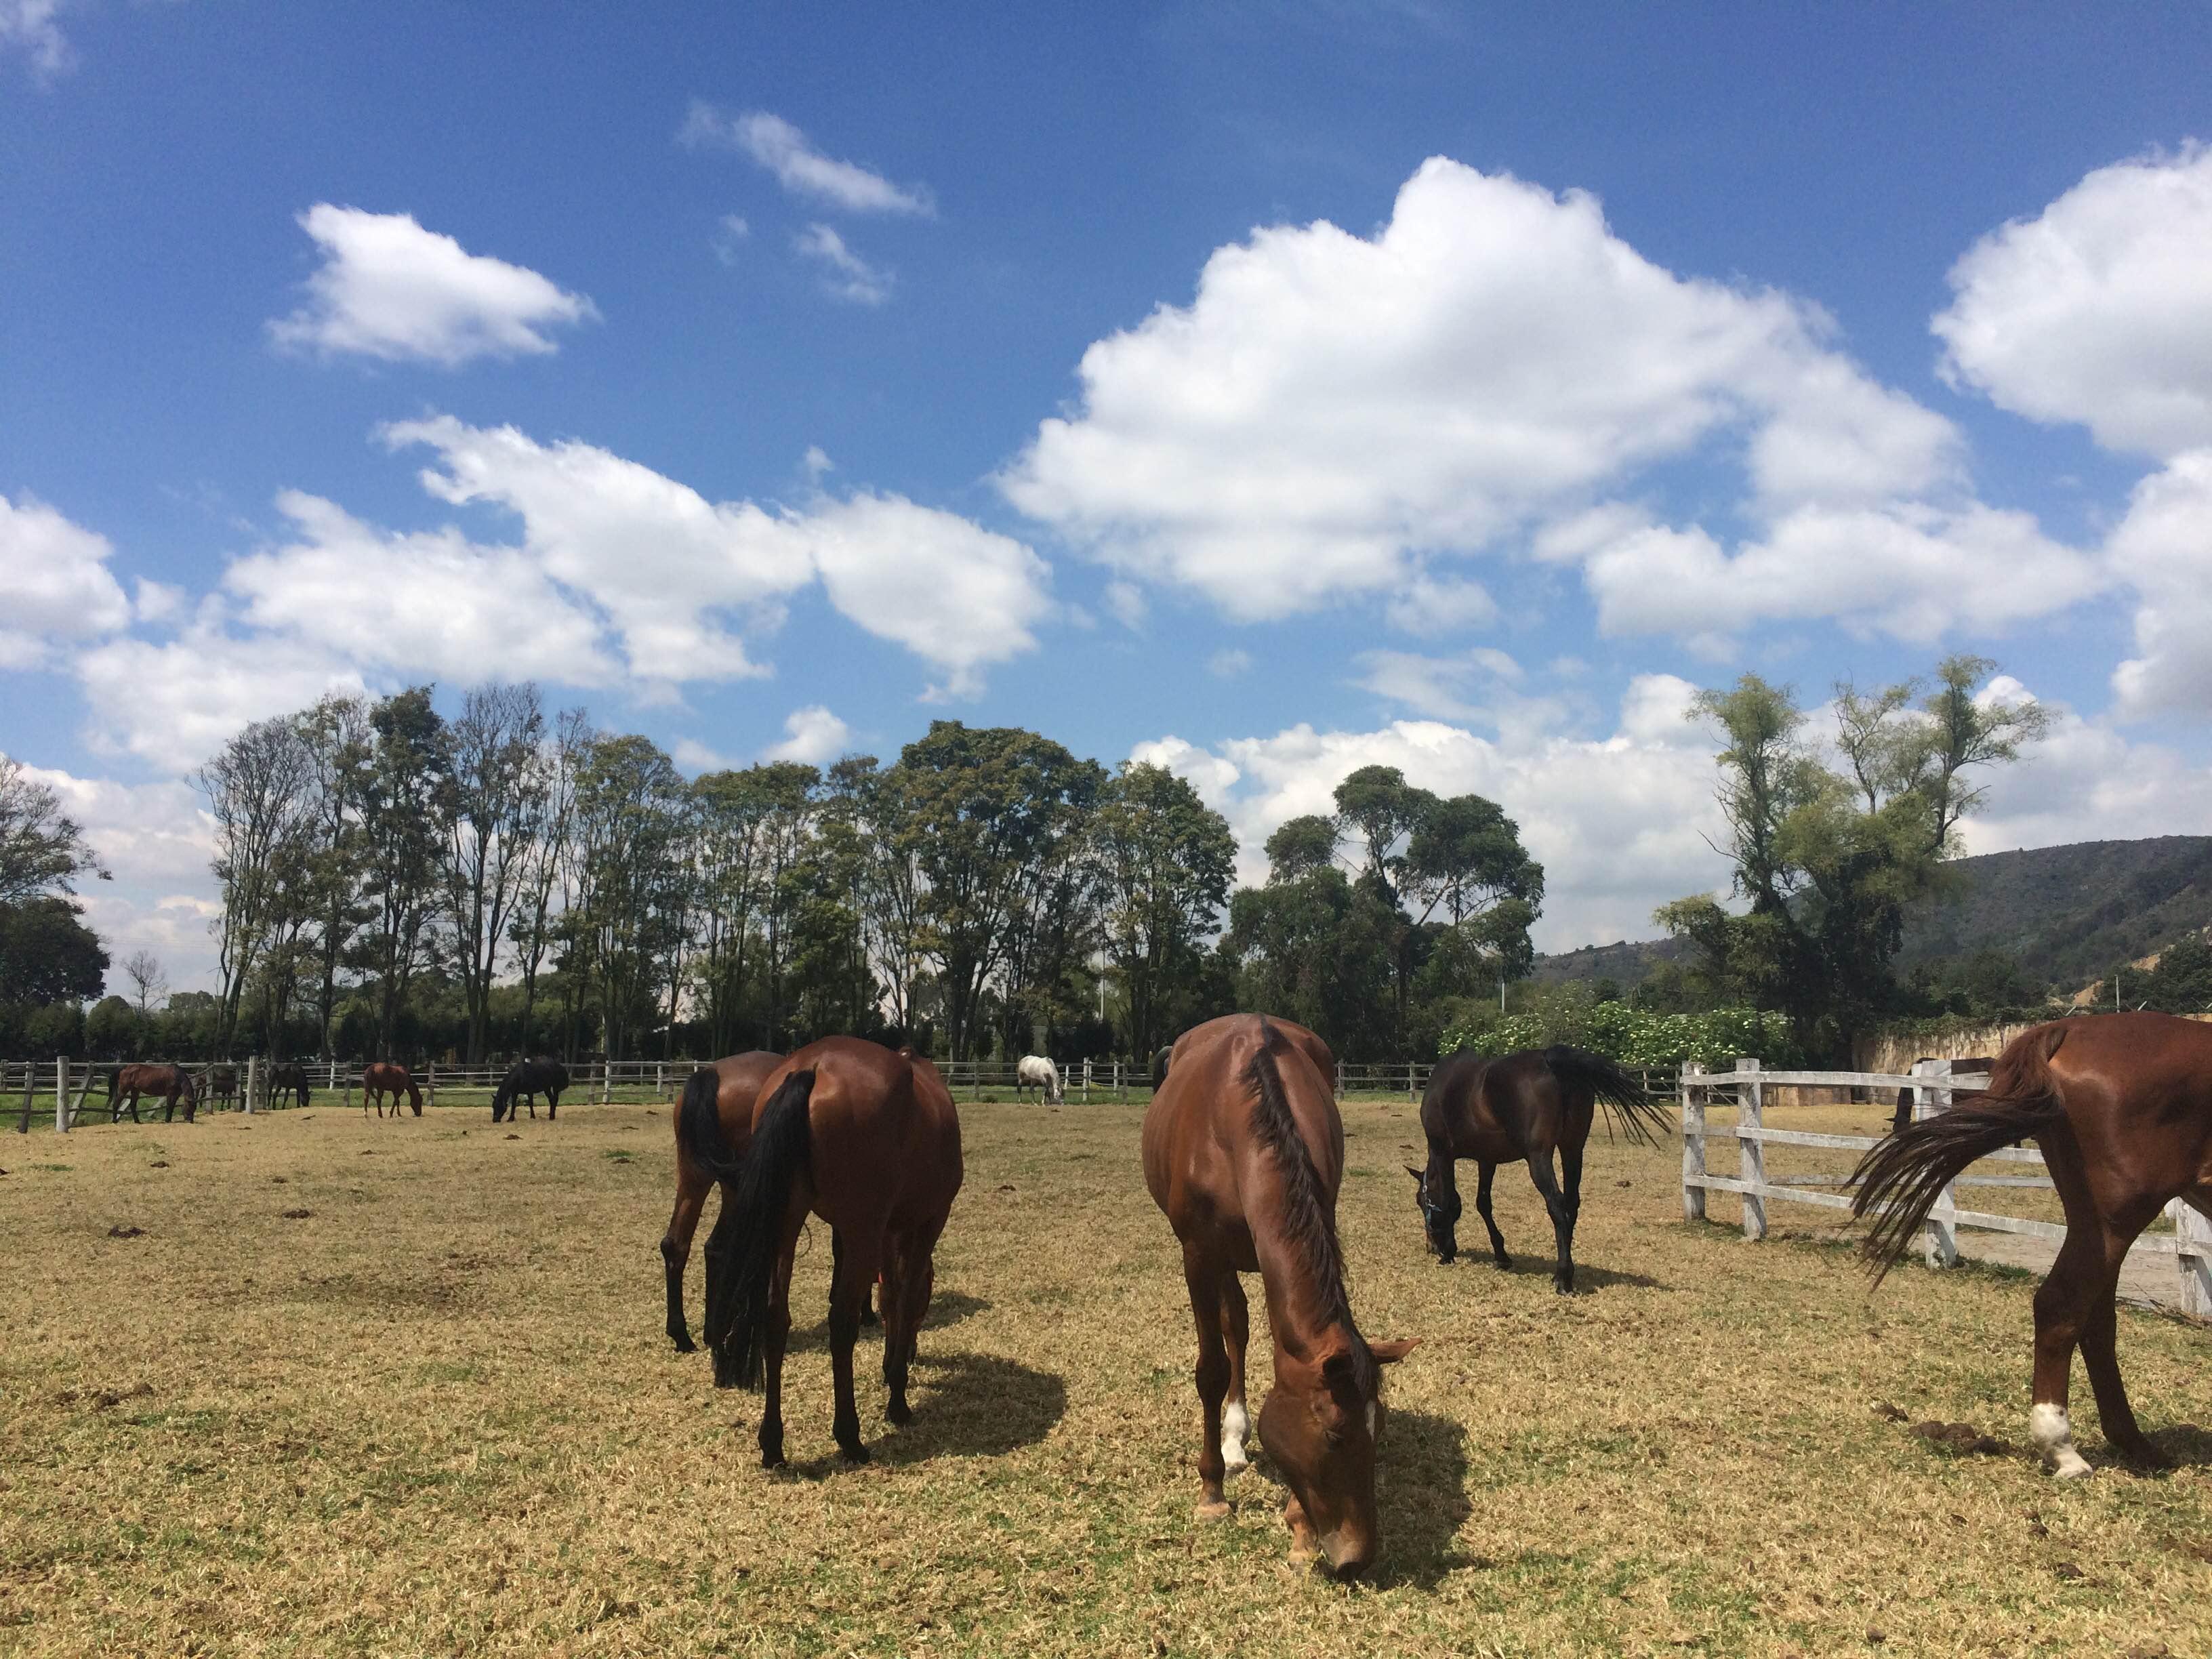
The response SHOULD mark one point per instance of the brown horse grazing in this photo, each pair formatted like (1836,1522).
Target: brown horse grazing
(171,1085)
(1525,1105)
(381,1077)
(867,1139)
(1904,1114)
(2121,1105)
(1243,1151)
(288,1081)
(714,1127)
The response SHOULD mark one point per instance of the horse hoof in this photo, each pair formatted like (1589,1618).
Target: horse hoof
(899,1413)
(1505,1264)
(771,1460)
(855,1453)
(1213,1509)
(1562,1286)
(2144,1456)
(684,1343)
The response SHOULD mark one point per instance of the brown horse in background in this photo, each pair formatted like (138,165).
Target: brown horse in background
(714,1127)
(220,1085)
(1243,1151)
(1525,1105)
(867,1139)
(2121,1105)
(171,1085)
(381,1077)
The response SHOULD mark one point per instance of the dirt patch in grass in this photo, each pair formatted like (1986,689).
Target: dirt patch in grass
(441,1417)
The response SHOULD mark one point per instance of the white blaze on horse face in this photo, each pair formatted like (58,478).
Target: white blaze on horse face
(1235,1424)
(2054,1437)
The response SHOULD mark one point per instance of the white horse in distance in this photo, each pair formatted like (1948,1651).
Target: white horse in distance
(1035,1069)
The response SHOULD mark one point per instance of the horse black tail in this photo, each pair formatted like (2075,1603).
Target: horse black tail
(748,1235)
(1160,1059)
(1627,1101)
(1908,1169)
(699,1126)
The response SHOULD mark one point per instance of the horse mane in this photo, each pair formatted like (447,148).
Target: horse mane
(1309,1221)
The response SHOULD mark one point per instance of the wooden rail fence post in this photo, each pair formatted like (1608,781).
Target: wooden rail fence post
(1693,1144)
(2190,1228)
(61,1093)
(1939,1239)
(30,1091)
(252,1081)
(1751,1164)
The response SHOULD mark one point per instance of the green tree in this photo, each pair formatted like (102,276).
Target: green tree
(258,790)
(42,849)
(628,811)
(494,810)
(47,954)
(402,791)
(2181,983)
(1317,947)
(1828,861)
(1166,860)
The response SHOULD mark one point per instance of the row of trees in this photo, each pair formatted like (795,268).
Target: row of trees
(989,891)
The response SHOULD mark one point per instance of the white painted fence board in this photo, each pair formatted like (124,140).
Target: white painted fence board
(1891,1081)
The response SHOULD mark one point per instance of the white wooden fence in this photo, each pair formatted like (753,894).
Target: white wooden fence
(1933,1086)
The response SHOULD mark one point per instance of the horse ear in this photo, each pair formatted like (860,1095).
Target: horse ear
(1390,1353)
(1420,1176)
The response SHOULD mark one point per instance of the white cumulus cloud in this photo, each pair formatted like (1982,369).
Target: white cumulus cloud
(845,274)
(56,590)
(2163,549)
(175,704)
(30,25)
(812,735)
(1336,415)
(388,289)
(773,144)
(2099,310)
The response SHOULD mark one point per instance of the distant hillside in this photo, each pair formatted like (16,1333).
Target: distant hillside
(2067,914)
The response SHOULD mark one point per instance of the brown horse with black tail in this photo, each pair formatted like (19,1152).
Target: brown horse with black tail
(867,1139)
(714,1127)
(2121,1105)
(381,1077)
(171,1085)
(1243,1152)
(1525,1105)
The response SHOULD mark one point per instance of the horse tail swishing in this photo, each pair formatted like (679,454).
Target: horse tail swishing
(714,1126)
(1900,1180)
(1627,1102)
(742,1251)
(699,1126)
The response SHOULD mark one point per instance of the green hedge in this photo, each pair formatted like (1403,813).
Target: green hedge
(1637,1039)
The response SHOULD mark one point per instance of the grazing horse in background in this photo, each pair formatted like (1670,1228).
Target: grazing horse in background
(171,1085)
(1904,1115)
(1243,1152)
(1034,1070)
(866,1138)
(2121,1105)
(528,1079)
(1525,1105)
(381,1077)
(291,1079)
(222,1085)
(714,1127)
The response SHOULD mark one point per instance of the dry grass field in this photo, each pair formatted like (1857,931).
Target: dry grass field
(400,1387)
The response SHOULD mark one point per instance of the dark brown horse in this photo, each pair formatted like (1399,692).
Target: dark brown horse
(2121,1105)
(381,1077)
(1525,1105)
(220,1084)
(526,1080)
(1243,1152)
(1903,1115)
(171,1085)
(867,1139)
(290,1080)
(714,1127)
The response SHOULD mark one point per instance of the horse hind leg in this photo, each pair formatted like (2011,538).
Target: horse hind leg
(1235,1421)
(853,1277)
(676,1248)
(1562,1218)
(1212,1376)
(2101,1359)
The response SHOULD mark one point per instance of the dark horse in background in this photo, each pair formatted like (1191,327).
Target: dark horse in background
(290,1080)
(714,1127)
(526,1080)
(1525,1105)
(170,1085)
(866,1138)
(2121,1105)
(1243,1152)
(1904,1115)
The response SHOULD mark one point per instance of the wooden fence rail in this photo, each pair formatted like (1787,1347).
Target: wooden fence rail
(1933,1085)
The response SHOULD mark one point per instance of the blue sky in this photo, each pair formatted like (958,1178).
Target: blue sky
(1262,389)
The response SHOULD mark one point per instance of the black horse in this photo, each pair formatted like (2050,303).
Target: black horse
(526,1080)
(1525,1105)
(288,1080)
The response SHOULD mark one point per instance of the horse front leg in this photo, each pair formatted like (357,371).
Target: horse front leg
(1203,1281)
(2065,1306)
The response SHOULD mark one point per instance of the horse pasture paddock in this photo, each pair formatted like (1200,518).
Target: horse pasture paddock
(342,1390)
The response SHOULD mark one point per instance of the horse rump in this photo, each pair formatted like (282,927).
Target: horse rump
(1900,1179)
(749,1233)
(699,1126)
(1626,1100)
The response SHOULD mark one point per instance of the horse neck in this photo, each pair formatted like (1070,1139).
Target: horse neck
(1306,1298)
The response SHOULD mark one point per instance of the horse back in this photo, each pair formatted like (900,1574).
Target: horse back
(742,1077)
(866,1128)
(1490,1110)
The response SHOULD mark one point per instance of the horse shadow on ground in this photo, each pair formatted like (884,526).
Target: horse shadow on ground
(2184,1445)
(1587,1277)
(965,1405)
(1421,1494)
